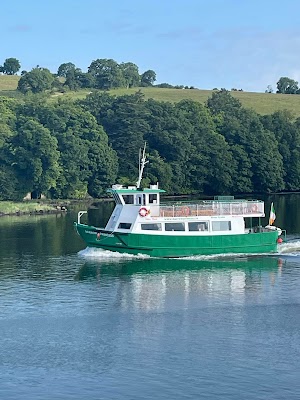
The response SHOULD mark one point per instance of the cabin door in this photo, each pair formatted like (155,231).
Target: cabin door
(140,199)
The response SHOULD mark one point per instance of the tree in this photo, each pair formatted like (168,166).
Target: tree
(72,80)
(76,79)
(34,156)
(65,68)
(287,85)
(8,181)
(131,74)
(87,162)
(223,101)
(210,162)
(11,66)
(169,133)
(262,148)
(257,162)
(107,73)
(269,89)
(124,120)
(148,78)
(159,171)
(37,80)
(287,132)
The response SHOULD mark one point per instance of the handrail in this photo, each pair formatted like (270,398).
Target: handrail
(246,209)
(283,233)
(80,214)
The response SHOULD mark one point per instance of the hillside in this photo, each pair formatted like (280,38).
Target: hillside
(262,103)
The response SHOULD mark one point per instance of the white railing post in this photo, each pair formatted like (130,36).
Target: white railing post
(80,214)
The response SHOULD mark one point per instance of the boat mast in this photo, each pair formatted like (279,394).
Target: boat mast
(142,163)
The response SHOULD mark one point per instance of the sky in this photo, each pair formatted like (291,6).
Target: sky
(242,44)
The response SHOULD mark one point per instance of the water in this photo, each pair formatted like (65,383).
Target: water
(82,323)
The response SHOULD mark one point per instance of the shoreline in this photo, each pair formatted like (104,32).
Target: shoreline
(8,208)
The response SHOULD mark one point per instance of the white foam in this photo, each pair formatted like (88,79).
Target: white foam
(224,256)
(97,253)
(291,248)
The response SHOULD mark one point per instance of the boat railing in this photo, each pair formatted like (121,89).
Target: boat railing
(79,215)
(245,208)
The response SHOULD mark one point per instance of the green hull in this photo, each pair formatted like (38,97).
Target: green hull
(176,245)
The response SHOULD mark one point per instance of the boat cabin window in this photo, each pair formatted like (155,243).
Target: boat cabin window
(198,226)
(141,199)
(153,198)
(177,226)
(221,225)
(128,198)
(124,225)
(151,227)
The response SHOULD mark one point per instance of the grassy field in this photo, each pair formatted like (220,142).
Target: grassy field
(8,82)
(262,103)
(9,207)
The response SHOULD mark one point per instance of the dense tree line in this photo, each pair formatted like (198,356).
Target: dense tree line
(104,74)
(70,149)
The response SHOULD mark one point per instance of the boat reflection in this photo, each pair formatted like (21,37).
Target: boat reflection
(130,266)
(154,284)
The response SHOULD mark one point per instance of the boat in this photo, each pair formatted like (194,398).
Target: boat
(141,224)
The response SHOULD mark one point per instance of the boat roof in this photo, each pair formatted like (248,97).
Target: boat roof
(133,190)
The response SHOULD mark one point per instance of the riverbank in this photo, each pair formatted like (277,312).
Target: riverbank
(30,208)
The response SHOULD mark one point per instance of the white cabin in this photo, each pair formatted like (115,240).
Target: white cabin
(140,211)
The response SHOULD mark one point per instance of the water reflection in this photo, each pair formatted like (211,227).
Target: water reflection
(76,326)
(117,265)
(155,284)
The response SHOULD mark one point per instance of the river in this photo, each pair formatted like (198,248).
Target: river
(78,323)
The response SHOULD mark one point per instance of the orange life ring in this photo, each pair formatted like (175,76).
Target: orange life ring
(144,212)
(185,211)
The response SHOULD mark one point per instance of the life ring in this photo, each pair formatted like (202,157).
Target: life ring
(254,208)
(185,211)
(144,212)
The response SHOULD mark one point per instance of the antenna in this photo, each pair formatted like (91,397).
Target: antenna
(142,163)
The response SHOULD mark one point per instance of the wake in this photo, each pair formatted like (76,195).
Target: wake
(290,248)
(97,253)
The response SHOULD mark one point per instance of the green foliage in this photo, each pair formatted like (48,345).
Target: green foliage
(85,159)
(123,119)
(287,85)
(148,78)
(35,156)
(107,73)
(169,133)
(68,149)
(159,171)
(36,81)
(287,134)
(11,66)
(223,101)
(65,68)
(131,74)
(210,160)
(9,184)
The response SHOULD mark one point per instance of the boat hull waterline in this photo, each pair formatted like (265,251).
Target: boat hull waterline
(178,245)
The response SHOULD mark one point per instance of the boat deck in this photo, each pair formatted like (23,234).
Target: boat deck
(210,208)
